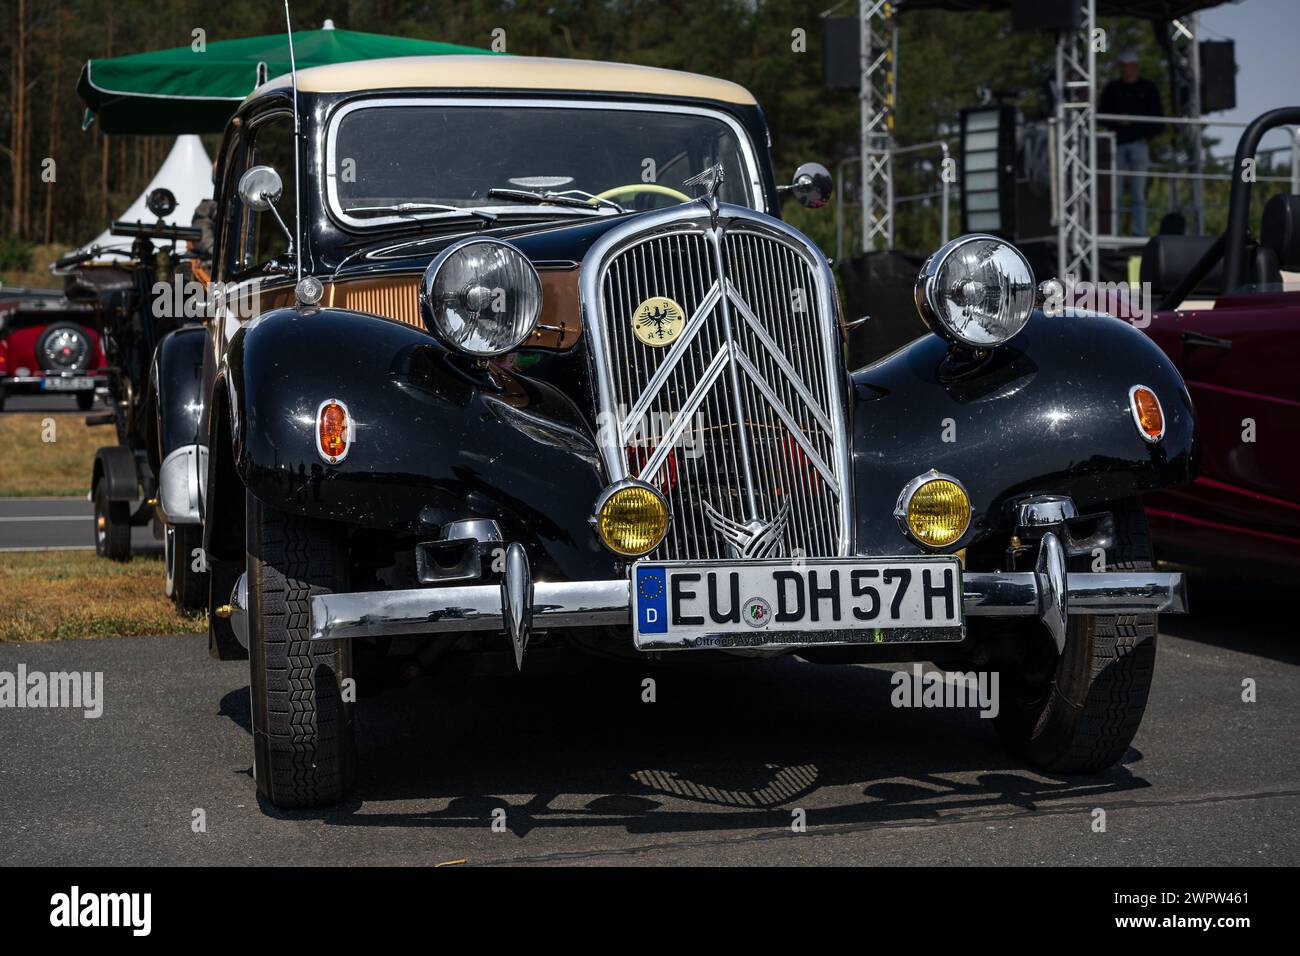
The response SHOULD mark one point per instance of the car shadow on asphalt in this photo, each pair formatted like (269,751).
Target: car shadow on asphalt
(723,747)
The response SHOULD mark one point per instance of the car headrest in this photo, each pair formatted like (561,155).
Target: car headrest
(1166,260)
(1279,230)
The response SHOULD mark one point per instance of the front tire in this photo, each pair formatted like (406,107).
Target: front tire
(112,525)
(85,400)
(187,588)
(302,726)
(1079,716)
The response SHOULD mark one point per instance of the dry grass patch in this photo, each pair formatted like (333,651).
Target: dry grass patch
(35,467)
(52,595)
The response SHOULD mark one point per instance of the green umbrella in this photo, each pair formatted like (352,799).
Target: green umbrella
(183,90)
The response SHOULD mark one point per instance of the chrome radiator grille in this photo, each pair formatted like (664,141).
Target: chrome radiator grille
(739,419)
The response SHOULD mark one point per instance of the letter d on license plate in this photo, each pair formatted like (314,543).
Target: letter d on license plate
(780,603)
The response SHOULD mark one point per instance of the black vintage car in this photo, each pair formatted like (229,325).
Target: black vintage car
(530,360)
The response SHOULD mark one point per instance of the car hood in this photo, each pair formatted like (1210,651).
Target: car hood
(553,242)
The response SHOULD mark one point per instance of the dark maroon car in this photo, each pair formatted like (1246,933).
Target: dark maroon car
(1236,340)
(47,345)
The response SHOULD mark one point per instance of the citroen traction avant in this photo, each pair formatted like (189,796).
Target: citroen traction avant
(536,363)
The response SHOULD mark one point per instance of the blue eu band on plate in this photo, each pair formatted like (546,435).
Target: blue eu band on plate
(652,601)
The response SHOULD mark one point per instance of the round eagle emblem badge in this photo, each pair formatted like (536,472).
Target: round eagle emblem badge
(658,321)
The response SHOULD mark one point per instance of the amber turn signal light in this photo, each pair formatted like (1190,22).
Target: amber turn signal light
(333,430)
(1147,413)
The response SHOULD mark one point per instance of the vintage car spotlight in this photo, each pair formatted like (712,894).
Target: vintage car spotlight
(631,518)
(976,291)
(933,510)
(481,297)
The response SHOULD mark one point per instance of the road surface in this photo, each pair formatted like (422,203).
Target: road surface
(713,772)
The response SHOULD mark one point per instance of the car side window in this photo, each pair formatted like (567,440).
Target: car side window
(230,218)
(262,239)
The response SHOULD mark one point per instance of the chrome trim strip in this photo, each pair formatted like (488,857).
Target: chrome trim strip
(479,607)
(755,181)
(476,607)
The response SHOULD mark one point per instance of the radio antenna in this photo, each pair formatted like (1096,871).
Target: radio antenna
(297,181)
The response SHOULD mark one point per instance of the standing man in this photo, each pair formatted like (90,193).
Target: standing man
(1132,95)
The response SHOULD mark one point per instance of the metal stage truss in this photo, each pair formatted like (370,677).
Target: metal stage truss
(1075,208)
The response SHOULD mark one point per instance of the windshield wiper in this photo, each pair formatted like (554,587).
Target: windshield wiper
(417,207)
(554,198)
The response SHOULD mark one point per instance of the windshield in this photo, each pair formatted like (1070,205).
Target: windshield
(452,153)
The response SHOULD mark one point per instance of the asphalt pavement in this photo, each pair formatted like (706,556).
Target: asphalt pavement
(38,524)
(715,771)
(46,402)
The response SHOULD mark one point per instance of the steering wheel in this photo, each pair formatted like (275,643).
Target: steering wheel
(637,189)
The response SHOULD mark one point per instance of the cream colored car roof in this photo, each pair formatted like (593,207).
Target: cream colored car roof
(508,73)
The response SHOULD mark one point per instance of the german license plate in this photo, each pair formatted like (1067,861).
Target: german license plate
(784,603)
(58,383)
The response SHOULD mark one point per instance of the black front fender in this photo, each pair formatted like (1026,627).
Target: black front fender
(176,378)
(1046,413)
(435,439)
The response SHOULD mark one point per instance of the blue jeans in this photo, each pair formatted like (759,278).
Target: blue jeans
(1136,158)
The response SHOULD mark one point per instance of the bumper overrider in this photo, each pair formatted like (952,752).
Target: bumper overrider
(518,605)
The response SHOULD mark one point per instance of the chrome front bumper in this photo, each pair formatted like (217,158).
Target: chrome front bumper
(518,605)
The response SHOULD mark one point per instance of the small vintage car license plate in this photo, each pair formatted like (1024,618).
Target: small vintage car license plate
(57,383)
(784,603)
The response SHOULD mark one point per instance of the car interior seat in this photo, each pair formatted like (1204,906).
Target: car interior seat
(1279,237)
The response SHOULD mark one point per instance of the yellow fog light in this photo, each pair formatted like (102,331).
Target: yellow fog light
(631,518)
(934,510)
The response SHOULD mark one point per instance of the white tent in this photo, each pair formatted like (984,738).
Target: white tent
(187,172)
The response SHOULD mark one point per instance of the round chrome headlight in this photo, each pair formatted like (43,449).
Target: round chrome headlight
(976,291)
(481,297)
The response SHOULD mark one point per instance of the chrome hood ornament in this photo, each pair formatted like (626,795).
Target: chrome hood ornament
(711,179)
(752,539)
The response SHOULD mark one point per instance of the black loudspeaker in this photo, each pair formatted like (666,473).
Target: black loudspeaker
(1046,15)
(841,53)
(1218,75)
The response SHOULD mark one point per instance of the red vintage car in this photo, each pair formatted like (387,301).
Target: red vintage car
(46,345)
(1229,319)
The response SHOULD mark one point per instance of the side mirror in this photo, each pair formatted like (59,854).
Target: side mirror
(260,188)
(812,185)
